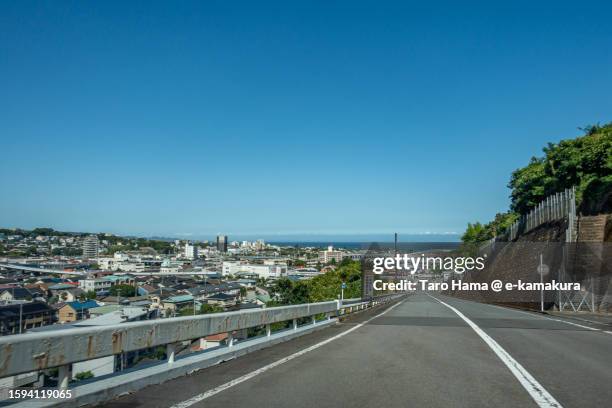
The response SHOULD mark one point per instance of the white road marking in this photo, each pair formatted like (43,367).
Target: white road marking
(574,324)
(246,377)
(531,385)
(533,314)
(538,316)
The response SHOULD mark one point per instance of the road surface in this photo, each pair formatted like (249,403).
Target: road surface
(426,351)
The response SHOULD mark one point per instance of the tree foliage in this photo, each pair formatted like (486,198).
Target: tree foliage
(584,162)
(123,290)
(320,288)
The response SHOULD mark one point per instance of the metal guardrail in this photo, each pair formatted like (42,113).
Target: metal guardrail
(43,350)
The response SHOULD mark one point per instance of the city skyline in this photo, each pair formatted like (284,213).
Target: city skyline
(158,120)
(284,238)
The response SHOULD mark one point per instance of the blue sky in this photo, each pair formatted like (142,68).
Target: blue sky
(293,118)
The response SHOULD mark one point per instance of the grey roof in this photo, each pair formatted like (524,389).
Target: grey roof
(26,308)
(17,292)
(222,296)
(206,289)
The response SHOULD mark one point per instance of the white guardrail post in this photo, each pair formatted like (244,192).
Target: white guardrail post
(64,374)
(170,352)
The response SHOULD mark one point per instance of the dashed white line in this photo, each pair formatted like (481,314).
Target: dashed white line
(531,385)
(246,377)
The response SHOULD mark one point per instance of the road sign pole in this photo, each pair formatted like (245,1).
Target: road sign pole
(542,283)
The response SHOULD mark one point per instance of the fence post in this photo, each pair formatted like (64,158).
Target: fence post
(170,352)
(63,376)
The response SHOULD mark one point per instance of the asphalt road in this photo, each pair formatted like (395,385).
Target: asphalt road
(420,353)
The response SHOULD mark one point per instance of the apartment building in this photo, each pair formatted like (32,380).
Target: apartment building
(262,271)
(331,254)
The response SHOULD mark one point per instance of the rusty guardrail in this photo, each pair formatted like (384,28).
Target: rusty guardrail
(43,350)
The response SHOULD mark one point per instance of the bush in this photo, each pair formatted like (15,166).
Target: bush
(84,375)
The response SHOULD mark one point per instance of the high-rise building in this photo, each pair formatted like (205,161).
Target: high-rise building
(331,254)
(191,251)
(222,243)
(91,245)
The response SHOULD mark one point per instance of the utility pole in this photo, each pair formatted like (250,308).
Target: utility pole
(20,317)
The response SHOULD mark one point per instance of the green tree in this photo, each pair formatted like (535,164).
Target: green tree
(320,288)
(123,290)
(206,309)
(584,162)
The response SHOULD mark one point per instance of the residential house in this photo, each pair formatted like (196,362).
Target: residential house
(145,289)
(73,311)
(13,293)
(71,295)
(222,299)
(56,289)
(30,314)
(174,304)
(97,285)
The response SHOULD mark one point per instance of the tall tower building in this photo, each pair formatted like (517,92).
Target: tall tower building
(191,251)
(222,243)
(91,245)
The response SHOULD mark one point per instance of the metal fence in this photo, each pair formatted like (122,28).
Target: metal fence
(556,207)
(33,352)
(560,206)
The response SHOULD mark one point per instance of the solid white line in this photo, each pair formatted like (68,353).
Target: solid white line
(246,377)
(574,324)
(531,385)
(538,316)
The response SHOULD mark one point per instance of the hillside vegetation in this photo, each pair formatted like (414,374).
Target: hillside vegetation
(584,162)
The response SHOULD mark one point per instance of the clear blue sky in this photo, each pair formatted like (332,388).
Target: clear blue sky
(168,118)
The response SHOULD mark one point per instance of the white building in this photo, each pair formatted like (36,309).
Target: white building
(191,251)
(90,247)
(129,266)
(305,272)
(169,269)
(262,271)
(330,254)
(95,284)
